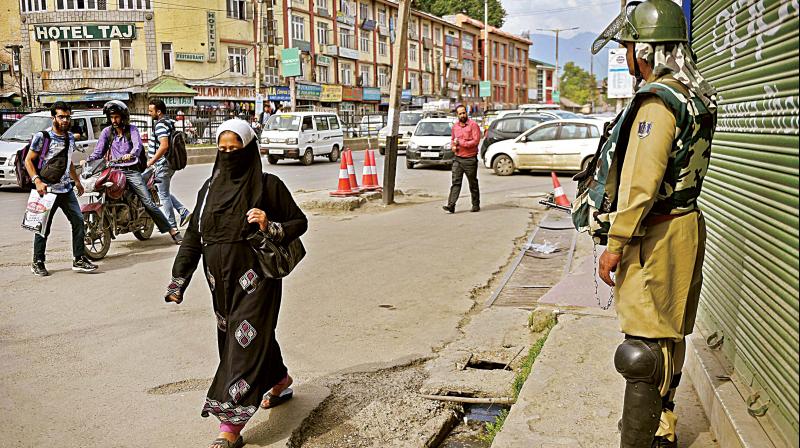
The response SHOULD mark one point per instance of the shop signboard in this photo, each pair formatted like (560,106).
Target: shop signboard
(351,94)
(371,94)
(190,57)
(95,31)
(290,62)
(308,92)
(348,53)
(405,96)
(324,61)
(302,45)
(211,21)
(178,101)
(331,50)
(485,89)
(279,93)
(331,94)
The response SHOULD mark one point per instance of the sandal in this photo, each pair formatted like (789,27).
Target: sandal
(225,443)
(275,400)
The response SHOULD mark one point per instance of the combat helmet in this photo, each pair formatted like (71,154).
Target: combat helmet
(649,21)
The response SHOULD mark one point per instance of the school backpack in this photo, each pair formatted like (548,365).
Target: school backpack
(23,178)
(176,154)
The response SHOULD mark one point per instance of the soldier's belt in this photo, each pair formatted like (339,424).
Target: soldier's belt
(652,220)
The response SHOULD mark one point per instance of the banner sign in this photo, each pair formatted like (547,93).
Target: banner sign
(279,93)
(371,94)
(190,57)
(620,81)
(308,92)
(211,20)
(331,94)
(85,32)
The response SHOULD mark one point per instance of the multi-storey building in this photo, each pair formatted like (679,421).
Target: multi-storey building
(540,81)
(12,81)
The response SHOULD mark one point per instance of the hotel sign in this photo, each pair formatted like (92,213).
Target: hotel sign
(85,32)
(211,20)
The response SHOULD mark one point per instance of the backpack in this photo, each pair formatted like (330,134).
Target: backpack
(176,154)
(141,161)
(23,178)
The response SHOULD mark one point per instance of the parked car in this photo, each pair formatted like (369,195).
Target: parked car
(408,121)
(430,142)
(561,145)
(302,136)
(86,126)
(370,125)
(560,114)
(509,128)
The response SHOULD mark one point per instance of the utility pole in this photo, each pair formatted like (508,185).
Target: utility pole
(591,76)
(292,95)
(258,21)
(395,99)
(622,7)
(486,47)
(557,31)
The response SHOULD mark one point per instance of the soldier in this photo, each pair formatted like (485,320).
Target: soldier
(651,168)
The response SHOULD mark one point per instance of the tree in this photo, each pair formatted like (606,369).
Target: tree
(577,84)
(472,8)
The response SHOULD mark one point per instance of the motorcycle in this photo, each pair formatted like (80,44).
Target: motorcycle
(111,210)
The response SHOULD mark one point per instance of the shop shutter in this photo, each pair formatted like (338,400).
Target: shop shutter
(748,49)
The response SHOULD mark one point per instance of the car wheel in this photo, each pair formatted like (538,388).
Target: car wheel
(308,157)
(334,155)
(272,160)
(503,165)
(409,164)
(585,163)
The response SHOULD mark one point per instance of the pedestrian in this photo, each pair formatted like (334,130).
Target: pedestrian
(656,240)
(264,118)
(236,202)
(60,139)
(122,142)
(158,146)
(464,139)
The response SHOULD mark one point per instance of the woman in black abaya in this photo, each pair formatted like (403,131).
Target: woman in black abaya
(237,201)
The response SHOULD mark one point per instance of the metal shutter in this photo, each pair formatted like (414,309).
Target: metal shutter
(748,49)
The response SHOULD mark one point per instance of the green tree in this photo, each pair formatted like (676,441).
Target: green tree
(472,8)
(577,84)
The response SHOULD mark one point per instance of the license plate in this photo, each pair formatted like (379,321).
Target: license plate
(429,154)
(276,151)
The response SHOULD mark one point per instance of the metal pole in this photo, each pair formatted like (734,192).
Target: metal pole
(258,46)
(486,50)
(557,31)
(622,4)
(395,100)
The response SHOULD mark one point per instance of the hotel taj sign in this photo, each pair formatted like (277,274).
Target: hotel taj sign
(85,32)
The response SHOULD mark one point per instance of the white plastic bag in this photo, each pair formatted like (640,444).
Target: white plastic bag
(37,212)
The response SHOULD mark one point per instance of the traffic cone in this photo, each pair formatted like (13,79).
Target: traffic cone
(369,180)
(344,182)
(558,192)
(374,166)
(351,171)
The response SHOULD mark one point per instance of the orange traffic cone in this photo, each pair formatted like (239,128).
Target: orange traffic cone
(369,180)
(351,171)
(344,182)
(558,192)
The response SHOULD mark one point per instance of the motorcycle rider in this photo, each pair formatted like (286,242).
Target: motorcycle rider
(124,142)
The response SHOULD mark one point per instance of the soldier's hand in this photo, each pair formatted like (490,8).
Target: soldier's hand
(608,264)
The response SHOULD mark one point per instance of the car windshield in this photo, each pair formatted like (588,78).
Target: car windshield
(564,114)
(410,119)
(23,130)
(434,128)
(283,123)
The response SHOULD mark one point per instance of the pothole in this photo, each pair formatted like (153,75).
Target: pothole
(190,385)
(480,364)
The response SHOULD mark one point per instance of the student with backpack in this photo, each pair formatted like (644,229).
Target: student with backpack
(122,141)
(164,157)
(48,162)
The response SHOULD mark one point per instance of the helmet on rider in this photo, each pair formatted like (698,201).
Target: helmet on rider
(119,108)
(651,21)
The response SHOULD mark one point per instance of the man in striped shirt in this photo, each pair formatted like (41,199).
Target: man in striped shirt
(158,145)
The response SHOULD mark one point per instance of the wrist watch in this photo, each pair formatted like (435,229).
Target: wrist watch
(33,179)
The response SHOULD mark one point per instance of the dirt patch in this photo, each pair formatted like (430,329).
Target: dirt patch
(375,409)
(193,384)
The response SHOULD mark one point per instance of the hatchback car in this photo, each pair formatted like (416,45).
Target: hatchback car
(302,136)
(430,143)
(509,128)
(561,145)
(86,127)
(408,121)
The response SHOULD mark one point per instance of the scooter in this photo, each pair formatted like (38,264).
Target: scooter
(111,210)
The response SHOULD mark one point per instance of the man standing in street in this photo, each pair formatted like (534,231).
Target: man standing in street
(464,139)
(655,162)
(59,139)
(158,145)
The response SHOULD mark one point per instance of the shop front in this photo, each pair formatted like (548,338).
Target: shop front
(279,96)
(371,98)
(175,94)
(224,100)
(307,95)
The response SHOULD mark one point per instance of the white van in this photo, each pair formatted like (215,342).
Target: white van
(302,136)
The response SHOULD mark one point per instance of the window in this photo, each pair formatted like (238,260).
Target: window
(543,134)
(468,68)
(237,60)
(382,16)
(333,122)
(363,11)
(438,36)
(496,48)
(426,30)
(298,28)
(468,42)
(451,51)
(236,9)
(413,81)
(125,54)
(98,123)
(383,77)
(135,4)
(346,38)
(322,75)
(166,56)
(383,47)
(504,52)
(426,84)
(412,52)
(322,33)
(33,5)
(85,54)
(573,131)
(347,8)
(321,4)
(76,5)
(79,127)
(46,56)
(364,42)
(511,126)
(322,123)
(365,78)
(346,74)
(594,132)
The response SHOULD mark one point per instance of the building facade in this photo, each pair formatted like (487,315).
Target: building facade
(540,81)
(12,82)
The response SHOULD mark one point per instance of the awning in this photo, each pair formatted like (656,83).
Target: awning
(171,87)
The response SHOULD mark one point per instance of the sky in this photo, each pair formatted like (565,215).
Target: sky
(589,15)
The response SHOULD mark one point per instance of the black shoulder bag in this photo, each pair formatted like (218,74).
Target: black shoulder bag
(276,260)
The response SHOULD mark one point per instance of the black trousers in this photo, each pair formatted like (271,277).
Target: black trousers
(462,166)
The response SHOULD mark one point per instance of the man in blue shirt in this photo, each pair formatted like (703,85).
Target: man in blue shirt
(59,140)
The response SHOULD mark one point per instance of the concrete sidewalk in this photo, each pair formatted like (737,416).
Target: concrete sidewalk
(573,396)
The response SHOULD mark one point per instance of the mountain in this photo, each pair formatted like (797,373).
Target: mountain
(575,49)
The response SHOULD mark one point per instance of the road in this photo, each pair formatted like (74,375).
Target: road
(100,360)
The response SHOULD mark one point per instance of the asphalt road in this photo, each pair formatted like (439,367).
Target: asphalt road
(100,360)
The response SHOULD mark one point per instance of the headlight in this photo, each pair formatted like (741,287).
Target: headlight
(446,146)
(412,146)
(291,141)
(265,140)
(12,160)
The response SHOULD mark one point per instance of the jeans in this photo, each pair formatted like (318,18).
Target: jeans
(136,184)
(68,203)
(169,203)
(462,166)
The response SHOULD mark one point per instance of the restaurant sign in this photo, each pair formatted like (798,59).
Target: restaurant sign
(85,32)
(190,57)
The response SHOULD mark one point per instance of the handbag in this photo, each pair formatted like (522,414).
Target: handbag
(276,260)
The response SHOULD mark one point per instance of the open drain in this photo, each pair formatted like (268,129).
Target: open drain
(480,364)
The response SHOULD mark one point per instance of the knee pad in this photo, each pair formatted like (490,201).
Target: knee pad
(640,361)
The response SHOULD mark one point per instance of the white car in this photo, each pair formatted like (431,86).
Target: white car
(303,136)
(370,125)
(559,145)
(408,121)
(430,142)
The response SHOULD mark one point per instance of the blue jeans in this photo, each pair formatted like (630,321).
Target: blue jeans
(136,185)
(68,203)
(169,203)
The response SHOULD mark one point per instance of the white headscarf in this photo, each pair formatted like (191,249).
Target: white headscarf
(238,127)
